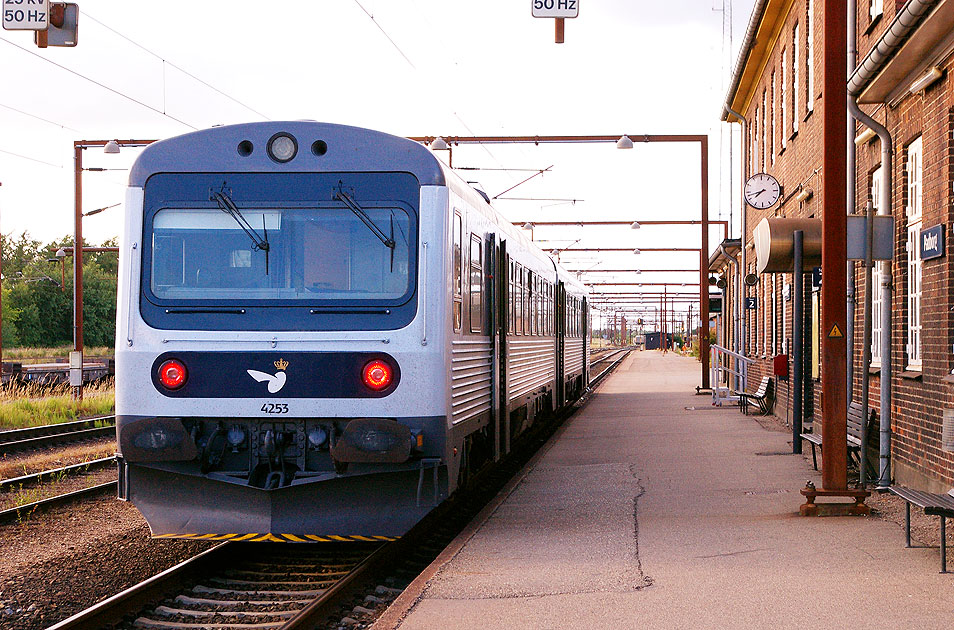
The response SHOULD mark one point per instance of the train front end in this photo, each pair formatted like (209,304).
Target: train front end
(274,377)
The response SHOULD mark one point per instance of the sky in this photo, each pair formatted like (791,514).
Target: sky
(406,67)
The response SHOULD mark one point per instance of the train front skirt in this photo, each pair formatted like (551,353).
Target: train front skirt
(353,507)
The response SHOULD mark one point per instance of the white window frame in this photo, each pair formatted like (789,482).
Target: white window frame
(774,116)
(755,144)
(765,128)
(877,178)
(810,58)
(795,78)
(875,9)
(774,325)
(784,107)
(914,169)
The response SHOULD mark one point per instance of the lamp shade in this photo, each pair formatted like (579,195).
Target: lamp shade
(624,143)
(111,147)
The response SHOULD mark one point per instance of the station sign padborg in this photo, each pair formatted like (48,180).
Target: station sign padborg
(26,15)
(555,8)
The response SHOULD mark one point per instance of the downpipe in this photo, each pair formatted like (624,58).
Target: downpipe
(887,161)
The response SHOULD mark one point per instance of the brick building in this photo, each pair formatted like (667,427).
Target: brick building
(905,52)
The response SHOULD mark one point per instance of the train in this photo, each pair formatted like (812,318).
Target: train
(322,332)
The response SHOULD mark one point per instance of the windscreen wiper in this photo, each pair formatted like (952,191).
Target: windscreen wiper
(342,196)
(228,206)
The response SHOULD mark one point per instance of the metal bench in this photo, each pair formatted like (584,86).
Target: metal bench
(855,415)
(940,505)
(763,397)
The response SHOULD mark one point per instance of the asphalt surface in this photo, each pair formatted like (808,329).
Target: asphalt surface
(652,509)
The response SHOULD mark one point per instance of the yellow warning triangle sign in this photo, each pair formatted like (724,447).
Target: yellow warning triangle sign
(835,332)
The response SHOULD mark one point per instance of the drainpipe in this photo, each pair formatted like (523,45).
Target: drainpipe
(851,195)
(740,268)
(904,23)
(887,162)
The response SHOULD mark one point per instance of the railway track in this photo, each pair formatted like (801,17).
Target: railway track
(295,586)
(15,440)
(31,481)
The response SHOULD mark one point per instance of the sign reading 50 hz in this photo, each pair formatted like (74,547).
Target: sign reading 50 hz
(26,15)
(556,8)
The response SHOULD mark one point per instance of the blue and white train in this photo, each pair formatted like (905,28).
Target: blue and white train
(322,331)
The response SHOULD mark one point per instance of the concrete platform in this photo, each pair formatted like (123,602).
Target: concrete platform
(645,513)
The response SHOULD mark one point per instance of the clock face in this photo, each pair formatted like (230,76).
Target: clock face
(761,191)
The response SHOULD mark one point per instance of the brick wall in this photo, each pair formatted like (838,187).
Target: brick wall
(918,397)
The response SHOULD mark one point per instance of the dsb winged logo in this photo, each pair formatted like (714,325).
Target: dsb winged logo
(275,381)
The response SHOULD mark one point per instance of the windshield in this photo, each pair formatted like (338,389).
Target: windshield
(312,254)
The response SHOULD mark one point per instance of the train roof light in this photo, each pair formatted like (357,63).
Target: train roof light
(173,374)
(282,147)
(377,375)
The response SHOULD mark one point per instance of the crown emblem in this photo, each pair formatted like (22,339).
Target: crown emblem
(281,364)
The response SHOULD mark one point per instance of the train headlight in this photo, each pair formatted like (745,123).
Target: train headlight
(377,375)
(173,374)
(282,147)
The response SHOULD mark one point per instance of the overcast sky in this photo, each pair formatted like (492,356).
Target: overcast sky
(407,67)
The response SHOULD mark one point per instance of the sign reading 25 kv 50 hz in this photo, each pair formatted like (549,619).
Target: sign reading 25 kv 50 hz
(26,15)
(556,8)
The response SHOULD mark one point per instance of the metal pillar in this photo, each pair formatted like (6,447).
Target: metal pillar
(798,343)
(78,265)
(834,256)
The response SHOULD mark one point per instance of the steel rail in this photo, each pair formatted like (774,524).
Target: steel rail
(134,598)
(29,480)
(15,513)
(16,435)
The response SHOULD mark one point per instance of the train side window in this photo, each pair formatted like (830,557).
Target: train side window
(530,305)
(511,297)
(518,301)
(476,284)
(458,307)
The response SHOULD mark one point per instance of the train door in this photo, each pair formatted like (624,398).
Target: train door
(491,290)
(501,329)
(585,331)
(560,310)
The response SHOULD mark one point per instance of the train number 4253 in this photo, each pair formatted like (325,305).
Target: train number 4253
(275,408)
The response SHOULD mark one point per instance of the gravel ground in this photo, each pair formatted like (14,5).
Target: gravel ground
(60,562)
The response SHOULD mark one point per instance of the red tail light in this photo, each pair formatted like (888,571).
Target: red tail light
(377,375)
(172,374)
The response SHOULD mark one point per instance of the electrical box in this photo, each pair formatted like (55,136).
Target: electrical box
(780,366)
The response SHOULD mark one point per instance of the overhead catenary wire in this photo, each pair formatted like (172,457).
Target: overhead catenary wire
(32,159)
(40,118)
(99,84)
(166,62)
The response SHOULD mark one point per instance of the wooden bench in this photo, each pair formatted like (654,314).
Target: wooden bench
(855,415)
(940,505)
(764,397)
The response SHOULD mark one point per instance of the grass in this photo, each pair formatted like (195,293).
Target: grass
(27,405)
(44,355)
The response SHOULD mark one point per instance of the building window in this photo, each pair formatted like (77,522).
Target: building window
(755,143)
(876,182)
(875,9)
(458,275)
(913,212)
(476,284)
(774,115)
(784,103)
(795,79)
(765,128)
(810,58)
(766,315)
